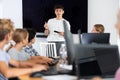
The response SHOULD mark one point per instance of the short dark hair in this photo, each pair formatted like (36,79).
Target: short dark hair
(58,7)
(32,34)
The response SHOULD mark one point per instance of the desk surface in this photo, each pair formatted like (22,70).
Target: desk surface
(26,77)
(58,77)
(54,77)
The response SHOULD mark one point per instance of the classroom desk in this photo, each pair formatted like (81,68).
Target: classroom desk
(54,77)
(26,77)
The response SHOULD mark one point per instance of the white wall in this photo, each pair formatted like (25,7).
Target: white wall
(1,8)
(119,3)
(103,12)
(13,9)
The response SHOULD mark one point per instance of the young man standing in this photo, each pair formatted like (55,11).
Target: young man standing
(54,29)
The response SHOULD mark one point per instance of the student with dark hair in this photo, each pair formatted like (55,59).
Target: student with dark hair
(54,28)
(6,29)
(31,40)
(29,48)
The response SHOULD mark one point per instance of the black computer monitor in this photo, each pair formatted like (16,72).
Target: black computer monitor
(91,59)
(96,38)
(97,60)
(69,43)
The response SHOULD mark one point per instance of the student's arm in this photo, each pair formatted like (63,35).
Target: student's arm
(39,61)
(42,58)
(14,72)
(36,57)
(21,64)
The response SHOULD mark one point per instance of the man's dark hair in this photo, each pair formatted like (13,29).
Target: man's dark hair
(58,7)
(32,34)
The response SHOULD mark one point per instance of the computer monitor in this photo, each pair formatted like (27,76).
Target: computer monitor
(69,43)
(97,60)
(91,59)
(95,38)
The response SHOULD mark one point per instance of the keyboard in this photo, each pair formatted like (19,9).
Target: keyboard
(51,71)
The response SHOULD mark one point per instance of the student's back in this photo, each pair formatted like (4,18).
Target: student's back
(20,36)
(15,54)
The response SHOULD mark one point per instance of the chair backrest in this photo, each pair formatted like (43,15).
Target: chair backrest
(48,49)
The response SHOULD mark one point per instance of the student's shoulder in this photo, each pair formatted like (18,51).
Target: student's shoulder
(12,51)
(2,53)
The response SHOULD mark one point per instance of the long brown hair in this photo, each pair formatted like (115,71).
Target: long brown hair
(19,35)
(99,28)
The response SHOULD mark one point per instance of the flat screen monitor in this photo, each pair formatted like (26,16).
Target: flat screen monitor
(69,43)
(95,38)
(91,59)
(103,60)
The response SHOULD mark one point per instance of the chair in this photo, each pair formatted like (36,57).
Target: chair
(48,49)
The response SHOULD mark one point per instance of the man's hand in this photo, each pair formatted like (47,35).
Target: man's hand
(46,26)
(61,33)
(46,59)
(46,29)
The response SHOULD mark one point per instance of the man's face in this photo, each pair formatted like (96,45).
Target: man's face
(118,23)
(59,12)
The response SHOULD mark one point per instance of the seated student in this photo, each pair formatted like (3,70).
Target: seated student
(20,36)
(29,48)
(31,40)
(6,71)
(98,28)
